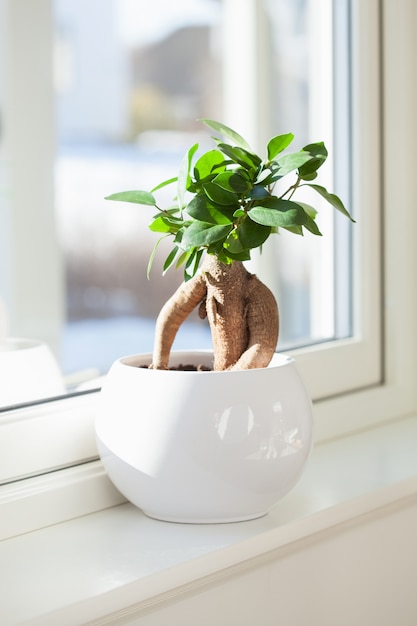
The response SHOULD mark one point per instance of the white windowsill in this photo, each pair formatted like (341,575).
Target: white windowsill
(117,561)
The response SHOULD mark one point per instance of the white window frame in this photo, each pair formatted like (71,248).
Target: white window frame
(387,261)
(385,257)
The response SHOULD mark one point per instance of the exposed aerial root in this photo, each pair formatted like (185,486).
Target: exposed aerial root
(241,310)
(172,315)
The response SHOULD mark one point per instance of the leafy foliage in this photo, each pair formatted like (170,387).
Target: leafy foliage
(225,203)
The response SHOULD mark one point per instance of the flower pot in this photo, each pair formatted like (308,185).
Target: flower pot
(28,371)
(203,447)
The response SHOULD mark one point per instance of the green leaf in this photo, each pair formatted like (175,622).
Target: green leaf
(263,175)
(240,156)
(152,256)
(224,130)
(207,164)
(169,261)
(278,213)
(278,144)
(305,176)
(244,255)
(137,197)
(311,213)
(310,210)
(159,225)
(183,258)
(232,181)
(219,195)
(272,174)
(184,174)
(252,234)
(215,248)
(311,225)
(318,154)
(223,256)
(200,208)
(334,200)
(318,150)
(192,263)
(295,230)
(232,242)
(165,183)
(203,234)
(165,223)
(179,234)
(290,162)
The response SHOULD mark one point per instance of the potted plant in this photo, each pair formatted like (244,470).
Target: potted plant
(225,443)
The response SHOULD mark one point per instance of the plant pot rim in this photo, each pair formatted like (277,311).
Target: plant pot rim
(203,356)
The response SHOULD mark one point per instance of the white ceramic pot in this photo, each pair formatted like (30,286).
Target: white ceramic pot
(203,447)
(28,371)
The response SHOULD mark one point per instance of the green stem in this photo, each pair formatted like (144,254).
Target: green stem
(292,189)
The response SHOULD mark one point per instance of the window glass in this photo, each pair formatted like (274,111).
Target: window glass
(130,88)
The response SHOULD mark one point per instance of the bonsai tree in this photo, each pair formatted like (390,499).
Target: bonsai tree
(226,205)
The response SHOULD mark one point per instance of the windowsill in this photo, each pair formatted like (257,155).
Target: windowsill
(86,568)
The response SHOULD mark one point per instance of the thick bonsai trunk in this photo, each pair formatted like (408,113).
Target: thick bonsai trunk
(241,310)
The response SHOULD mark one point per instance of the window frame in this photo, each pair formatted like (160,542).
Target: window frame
(343,365)
(395,395)
(387,289)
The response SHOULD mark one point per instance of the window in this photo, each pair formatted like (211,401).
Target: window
(363,371)
(146,120)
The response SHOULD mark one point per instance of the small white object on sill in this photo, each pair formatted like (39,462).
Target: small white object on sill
(28,371)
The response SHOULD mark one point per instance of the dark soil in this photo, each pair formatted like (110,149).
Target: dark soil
(186,368)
